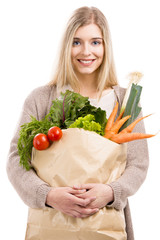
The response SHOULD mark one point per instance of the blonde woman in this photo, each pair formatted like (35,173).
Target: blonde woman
(86,66)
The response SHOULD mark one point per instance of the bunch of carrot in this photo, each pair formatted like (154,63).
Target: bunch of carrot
(112,129)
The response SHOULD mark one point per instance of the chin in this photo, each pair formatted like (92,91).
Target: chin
(87,72)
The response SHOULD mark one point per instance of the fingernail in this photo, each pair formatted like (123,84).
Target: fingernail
(82,190)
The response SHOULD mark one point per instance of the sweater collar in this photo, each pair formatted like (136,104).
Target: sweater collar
(120,92)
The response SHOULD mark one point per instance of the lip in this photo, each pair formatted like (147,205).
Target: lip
(86,62)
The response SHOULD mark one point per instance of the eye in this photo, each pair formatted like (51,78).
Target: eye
(76,43)
(96,42)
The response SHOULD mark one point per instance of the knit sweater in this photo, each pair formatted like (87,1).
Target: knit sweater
(33,191)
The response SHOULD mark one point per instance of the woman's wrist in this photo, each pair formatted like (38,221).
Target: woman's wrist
(110,195)
(49,198)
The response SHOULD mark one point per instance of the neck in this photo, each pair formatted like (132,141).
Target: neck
(88,85)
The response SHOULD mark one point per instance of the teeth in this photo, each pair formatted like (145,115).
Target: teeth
(83,61)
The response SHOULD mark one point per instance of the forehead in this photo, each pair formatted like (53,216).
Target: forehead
(88,31)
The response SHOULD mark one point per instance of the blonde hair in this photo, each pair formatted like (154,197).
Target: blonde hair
(64,73)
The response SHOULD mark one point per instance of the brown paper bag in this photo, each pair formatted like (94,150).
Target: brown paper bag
(79,157)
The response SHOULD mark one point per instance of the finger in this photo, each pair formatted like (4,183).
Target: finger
(85,202)
(86,211)
(77,191)
(83,196)
(87,194)
(84,186)
(80,212)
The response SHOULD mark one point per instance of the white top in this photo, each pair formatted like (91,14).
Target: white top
(106,102)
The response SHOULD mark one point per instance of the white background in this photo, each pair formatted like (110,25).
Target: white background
(30,35)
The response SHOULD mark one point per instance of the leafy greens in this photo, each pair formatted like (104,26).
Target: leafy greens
(70,106)
(87,123)
(63,112)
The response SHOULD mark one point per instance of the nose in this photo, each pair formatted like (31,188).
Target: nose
(86,49)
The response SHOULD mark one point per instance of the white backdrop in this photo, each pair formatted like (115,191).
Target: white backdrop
(30,35)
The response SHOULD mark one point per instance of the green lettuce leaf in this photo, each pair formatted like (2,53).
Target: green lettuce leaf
(88,123)
(63,112)
(70,106)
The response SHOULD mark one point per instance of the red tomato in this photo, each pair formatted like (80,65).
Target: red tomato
(54,133)
(40,141)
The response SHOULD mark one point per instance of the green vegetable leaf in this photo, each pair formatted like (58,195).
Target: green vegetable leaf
(26,135)
(88,123)
(132,107)
(63,112)
(70,106)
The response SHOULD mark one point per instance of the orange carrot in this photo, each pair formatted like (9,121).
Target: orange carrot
(119,124)
(115,128)
(109,134)
(111,118)
(112,128)
(119,117)
(127,137)
(130,128)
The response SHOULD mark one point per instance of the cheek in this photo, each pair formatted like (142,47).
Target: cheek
(74,52)
(101,52)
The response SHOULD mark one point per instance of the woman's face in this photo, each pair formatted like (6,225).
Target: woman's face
(87,50)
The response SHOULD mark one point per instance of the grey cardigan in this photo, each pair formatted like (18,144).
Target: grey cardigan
(33,190)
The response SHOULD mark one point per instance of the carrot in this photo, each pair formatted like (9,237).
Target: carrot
(115,128)
(119,124)
(112,128)
(109,134)
(119,117)
(127,137)
(111,118)
(129,128)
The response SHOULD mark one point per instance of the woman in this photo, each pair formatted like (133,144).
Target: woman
(86,66)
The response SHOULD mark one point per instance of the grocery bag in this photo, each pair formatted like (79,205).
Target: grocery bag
(79,157)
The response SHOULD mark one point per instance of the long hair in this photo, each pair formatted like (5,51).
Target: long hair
(64,73)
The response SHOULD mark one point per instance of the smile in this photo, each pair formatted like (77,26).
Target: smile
(86,62)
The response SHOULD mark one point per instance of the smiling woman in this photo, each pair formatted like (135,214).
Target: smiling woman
(86,38)
(85,66)
(87,53)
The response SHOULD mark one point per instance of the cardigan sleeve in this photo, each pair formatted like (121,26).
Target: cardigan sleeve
(135,171)
(29,186)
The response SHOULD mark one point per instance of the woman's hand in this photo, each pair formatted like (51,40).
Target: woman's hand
(65,200)
(103,192)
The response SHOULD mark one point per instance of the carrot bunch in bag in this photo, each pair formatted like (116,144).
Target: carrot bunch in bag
(120,130)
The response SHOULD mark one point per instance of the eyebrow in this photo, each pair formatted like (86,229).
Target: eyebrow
(77,38)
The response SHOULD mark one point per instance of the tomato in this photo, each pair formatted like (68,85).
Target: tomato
(54,133)
(40,141)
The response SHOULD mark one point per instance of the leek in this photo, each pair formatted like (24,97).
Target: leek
(134,78)
(131,99)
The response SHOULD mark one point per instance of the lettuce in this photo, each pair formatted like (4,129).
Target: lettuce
(70,106)
(63,112)
(88,123)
